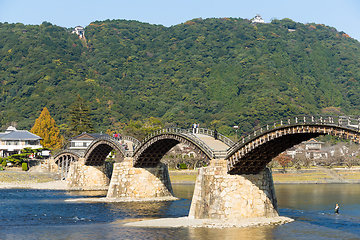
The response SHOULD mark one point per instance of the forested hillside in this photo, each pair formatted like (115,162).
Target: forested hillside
(216,72)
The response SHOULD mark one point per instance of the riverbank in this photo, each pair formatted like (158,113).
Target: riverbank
(313,175)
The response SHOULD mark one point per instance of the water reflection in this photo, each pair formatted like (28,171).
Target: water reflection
(320,197)
(97,193)
(183,191)
(231,233)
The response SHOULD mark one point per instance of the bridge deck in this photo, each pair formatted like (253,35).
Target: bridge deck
(219,148)
(216,145)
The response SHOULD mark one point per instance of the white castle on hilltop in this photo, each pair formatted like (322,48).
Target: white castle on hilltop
(79,30)
(257,19)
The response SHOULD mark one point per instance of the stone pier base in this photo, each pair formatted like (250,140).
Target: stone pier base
(139,183)
(218,195)
(82,177)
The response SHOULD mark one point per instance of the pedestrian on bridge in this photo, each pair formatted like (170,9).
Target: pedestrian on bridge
(194,128)
(215,134)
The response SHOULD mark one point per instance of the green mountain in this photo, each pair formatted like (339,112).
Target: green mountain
(216,72)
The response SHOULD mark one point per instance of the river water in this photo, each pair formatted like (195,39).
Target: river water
(43,214)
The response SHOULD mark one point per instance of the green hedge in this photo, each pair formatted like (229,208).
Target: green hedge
(183,166)
(24,166)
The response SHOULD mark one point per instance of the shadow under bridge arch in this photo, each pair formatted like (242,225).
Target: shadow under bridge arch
(100,148)
(157,144)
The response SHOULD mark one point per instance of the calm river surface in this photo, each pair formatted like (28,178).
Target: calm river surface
(43,214)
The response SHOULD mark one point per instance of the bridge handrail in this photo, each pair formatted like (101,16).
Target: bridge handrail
(184,132)
(349,122)
(79,153)
(221,137)
(107,137)
(132,139)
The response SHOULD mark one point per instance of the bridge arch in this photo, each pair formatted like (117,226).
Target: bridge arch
(63,160)
(157,144)
(100,148)
(251,154)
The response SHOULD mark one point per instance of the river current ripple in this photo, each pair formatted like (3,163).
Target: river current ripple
(44,214)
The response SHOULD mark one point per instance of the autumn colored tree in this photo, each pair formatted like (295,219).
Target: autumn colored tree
(45,127)
(283,160)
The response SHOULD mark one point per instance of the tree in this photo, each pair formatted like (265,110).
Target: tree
(80,117)
(283,160)
(45,127)
(303,159)
(140,129)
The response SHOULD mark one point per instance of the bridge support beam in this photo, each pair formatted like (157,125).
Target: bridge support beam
(218,195)
(130,183)
(82,177)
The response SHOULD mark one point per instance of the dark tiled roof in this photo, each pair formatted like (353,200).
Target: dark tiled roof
(88,136)
(19,135)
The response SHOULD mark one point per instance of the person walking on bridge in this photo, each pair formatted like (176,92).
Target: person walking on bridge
(215,134)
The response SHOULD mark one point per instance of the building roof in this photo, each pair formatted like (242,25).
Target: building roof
(19,135)
(88,136)
(313,141)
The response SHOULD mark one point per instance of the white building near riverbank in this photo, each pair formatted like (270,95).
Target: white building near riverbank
(12,141)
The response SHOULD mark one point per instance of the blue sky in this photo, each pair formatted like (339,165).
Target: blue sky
(343,15)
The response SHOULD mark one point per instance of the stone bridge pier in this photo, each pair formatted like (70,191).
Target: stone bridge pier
(83,177)
(133,183)
(219,195)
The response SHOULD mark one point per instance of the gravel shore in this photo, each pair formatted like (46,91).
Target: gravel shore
(53,185)
(210,223)
(18,179)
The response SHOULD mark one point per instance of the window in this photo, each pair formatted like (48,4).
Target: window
(79,144)
(32,142)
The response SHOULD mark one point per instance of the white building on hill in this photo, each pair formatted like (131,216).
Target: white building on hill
(79,30)
(258,19)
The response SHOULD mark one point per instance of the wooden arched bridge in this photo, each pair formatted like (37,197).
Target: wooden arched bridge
(247,156)
(64,158)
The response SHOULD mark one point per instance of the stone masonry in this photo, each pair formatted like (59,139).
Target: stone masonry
(139,183)
(82,177)
(218,195)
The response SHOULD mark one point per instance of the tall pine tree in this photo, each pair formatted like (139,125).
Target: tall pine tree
(45,127)
(80,117)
